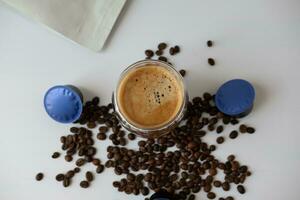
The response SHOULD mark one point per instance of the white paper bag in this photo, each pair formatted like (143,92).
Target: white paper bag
(87,22)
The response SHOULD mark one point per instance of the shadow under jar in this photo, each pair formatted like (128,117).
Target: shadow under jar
(150,98)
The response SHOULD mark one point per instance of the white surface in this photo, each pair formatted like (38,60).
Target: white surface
(256,40)
(87,22)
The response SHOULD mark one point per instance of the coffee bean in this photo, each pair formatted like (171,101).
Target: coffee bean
(100,169)
(69,174)
(74,130)
(66,182)
(149,53)
(217,184)
(241,189)
(39,176)
(91,125)
(68,158)
(226,186)
(84,184)
(76,170)
(176,49)
(162,46)
(233,134)
(211,195)
(55,155)
(207,188)
(60,177)
(192,197)
(101,136)
(89,176)
(231,157)
(220,129)
(209,43)
(211,61)
(103,129)
(122,141)
(243,169)
(182,72)
(159,52)
(162,58)
(221,198)
(229,198)
(220,140)
(172,51)
(131,136)
(213,172)
(96,161)
(250,130)
(80,162)
(243,128)
(144,191)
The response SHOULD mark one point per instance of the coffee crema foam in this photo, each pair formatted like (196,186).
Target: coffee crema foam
(150,96)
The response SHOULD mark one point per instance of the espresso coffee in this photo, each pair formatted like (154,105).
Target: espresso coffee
(150,96)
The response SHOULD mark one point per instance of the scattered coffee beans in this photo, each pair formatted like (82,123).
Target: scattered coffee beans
(211,61)
(39,176)
(209,43)
(241,189)
(84,184)
(55,155)
(182,72)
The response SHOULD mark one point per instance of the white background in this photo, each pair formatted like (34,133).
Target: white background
(257,40)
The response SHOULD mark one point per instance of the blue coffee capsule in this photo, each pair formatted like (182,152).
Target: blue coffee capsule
(63,103)
(235,98)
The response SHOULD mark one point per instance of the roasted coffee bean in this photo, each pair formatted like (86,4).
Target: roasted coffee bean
(220,129)
(231,157)
(103,129)
(89,176)
(116,184)
(149,53)
(144,191)
(229,198)
(162,58)
(217,184)
(182,72)
(91,125)
(101,136)
(233,134)
(100,169)
(96,161)
(220,140)
(250,130)
(211,195)
(162,46)
(66,182)
(234,121)
(243,128)
(212,147)
(176,49)
(226,186)
(74,129)
(243,169)
(131,136)
(68,158)
(241,189)
(207,188)
(55,155)
(209,43)
(192,197)
(211,61)
(159,52)
(84,184)
(122,141)
(39,176)
(69,174)
(80,162)
(172,51)
(221,198)
(60,177)
(76,170)
(212,172)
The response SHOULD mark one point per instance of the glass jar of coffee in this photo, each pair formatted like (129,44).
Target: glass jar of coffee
(150,98)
